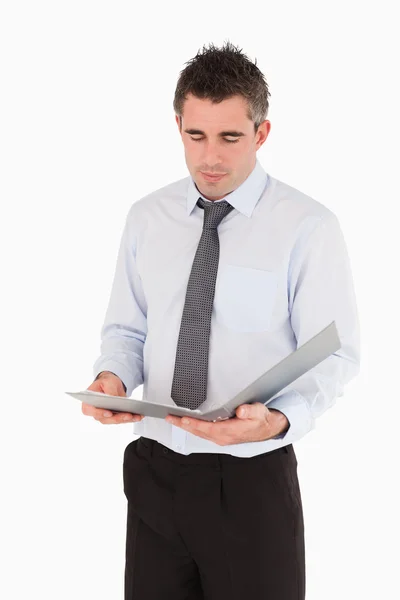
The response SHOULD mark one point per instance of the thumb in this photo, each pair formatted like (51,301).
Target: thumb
(250,411)
(113,387)
(244,411)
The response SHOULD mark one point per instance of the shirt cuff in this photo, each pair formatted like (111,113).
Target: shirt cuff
(296,410)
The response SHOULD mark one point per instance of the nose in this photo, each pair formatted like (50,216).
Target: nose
(211,158)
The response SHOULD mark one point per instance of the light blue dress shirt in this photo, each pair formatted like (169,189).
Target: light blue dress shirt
(284,274)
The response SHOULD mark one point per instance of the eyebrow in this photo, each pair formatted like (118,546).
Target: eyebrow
(221,134)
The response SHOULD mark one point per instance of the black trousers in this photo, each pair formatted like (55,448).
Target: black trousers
(212,526)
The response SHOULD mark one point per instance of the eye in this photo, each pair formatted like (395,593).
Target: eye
(225,140)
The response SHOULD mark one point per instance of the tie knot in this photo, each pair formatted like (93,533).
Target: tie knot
(214,212)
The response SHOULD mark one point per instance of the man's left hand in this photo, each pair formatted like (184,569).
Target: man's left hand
(252,423)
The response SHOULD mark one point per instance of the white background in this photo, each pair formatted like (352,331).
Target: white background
(86,129)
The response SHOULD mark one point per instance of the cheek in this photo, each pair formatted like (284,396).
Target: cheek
(191,154)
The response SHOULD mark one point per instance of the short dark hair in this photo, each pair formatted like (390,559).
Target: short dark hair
(220,73)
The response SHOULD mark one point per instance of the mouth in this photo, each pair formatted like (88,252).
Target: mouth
(212,177)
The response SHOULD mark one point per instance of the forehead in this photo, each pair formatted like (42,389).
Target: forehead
(202,113)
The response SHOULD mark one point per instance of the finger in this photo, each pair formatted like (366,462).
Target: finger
(99,413)
(194,425)
(92,411)
(256,410)
(118,418)
(242,412)
(220,432)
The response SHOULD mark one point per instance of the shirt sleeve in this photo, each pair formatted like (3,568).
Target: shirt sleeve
(320,290)
(125,324)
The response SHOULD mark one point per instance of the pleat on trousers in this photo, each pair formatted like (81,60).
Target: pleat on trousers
(212,526)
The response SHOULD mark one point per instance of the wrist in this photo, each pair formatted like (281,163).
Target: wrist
(280,422)
(103,374)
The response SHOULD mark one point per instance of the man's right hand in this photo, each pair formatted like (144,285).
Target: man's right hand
(108,383)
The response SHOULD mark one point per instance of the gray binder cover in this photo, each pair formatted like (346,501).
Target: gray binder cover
(263,389)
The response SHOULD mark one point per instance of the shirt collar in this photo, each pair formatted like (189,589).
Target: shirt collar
(244,198)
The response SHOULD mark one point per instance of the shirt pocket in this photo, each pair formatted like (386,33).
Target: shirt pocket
(244,297)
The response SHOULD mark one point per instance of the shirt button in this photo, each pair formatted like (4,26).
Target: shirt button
(178,447)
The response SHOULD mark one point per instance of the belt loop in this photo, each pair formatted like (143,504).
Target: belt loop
(148,443)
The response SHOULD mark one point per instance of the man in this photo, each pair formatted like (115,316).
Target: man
(219,276)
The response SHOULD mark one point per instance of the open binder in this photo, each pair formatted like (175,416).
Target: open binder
(263,389)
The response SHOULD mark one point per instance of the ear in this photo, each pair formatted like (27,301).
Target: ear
(262,133)
(177,119)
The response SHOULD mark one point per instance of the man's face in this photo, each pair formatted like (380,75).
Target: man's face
(216,151)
